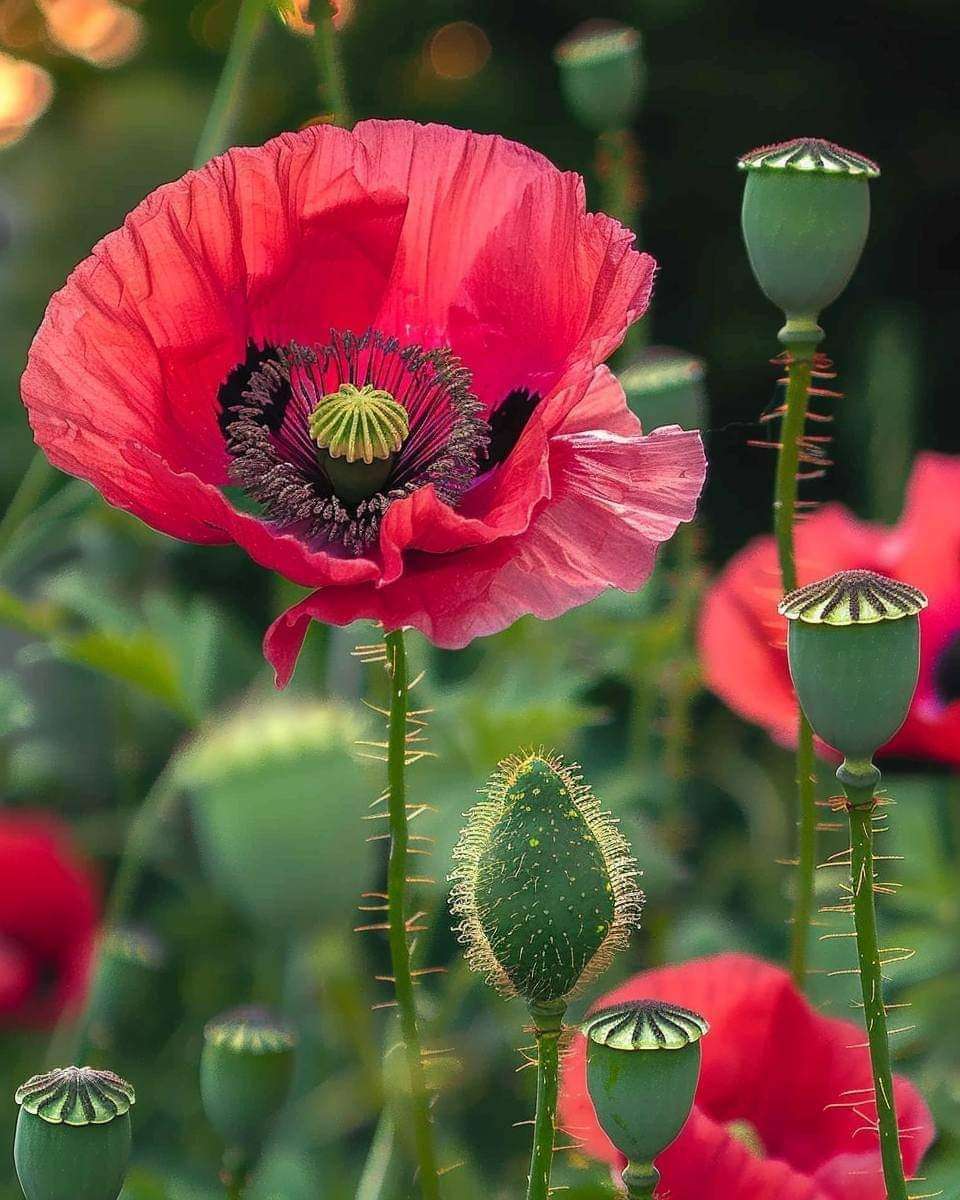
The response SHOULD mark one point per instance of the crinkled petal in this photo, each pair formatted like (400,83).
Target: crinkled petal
(277,243)
(613,500)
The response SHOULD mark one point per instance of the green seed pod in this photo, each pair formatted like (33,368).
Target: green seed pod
(643,1063)
(246,1069)
(546,886)
(602,74)
(854,649)
(130,965)
(806,213)
(276,794)
(73,1134)
(665,387)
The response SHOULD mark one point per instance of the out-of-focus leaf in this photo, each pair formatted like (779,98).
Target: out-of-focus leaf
(15,708)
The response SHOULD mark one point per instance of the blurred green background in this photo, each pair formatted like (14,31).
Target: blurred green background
(116,644)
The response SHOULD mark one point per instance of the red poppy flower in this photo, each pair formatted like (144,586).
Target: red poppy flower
(781,1110)
(743,640)
(48,916)
(181,367)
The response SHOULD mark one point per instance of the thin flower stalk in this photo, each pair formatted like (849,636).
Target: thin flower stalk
(799,368)
(397,914)
(548,1033)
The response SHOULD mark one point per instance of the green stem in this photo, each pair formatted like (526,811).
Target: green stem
(548,1031)
(333,84)
(29,490)
(641,1181)
(621,184)
(397,915)
(799,368)
(225,105)
(860,808)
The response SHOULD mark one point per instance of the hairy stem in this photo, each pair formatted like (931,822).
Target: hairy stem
(397,915)
(860,808)
(225,105)
(799,367)
(333,84)
(549,1029)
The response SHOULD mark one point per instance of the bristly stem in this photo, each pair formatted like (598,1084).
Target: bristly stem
(397,914)
(799,368)
(333,84)
(548,1031)
(861,805)
(222,114)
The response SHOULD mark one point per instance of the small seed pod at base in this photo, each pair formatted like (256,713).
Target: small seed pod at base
(545,886)
(246,1069)
(602,74)
(643,1063)
(806,213)
(854,651)
(73,1134)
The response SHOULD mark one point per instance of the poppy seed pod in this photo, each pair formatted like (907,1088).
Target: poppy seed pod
(854,651)
(664,386)
(806,213)
(602,74)
(122,1002)
(73,1134)
(546,884)
(246,1069)
(643,1063)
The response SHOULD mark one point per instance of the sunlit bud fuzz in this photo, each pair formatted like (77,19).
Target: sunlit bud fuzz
(246,1069)
(664,386)
(123,995)
(602,74)
(854,650)
(546,885)
(73,1134)
(358,432)
(643,1063)
(806,213)
(282,862)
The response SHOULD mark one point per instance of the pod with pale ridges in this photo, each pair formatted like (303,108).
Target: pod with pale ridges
(805,218)
(602,74)
(854,650)
(73,1134)
(246,1069)
(545,885)
(643,1063)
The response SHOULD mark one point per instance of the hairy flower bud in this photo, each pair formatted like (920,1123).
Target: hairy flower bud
(246,1069)
(643,1063)
(602,74)
(854,650)
(806,213)
(546,885)
(73,1134)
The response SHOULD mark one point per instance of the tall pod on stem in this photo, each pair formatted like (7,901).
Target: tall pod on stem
(545,890)
(854,649)
(805,218)
(643,1063)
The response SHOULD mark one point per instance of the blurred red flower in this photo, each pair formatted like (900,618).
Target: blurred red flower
(48,918)
(743,640)
(458,272)
(782,1103)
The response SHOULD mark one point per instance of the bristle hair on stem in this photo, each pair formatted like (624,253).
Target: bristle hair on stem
(471,894)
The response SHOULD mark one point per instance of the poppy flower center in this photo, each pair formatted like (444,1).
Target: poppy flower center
(326,438)
(946,673)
